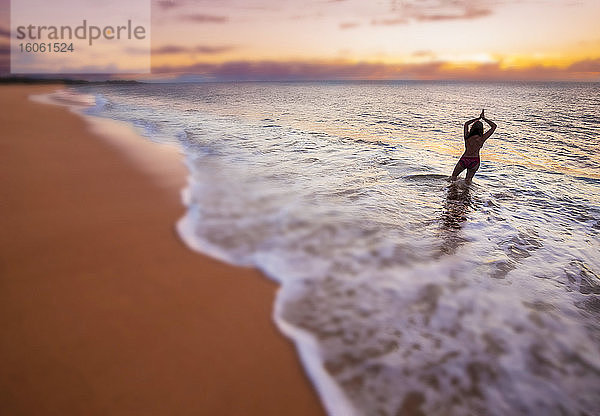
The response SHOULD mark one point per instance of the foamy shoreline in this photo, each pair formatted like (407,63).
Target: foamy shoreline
(164,162)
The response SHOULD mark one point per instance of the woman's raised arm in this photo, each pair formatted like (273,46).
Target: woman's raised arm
(492,125)
(467,125)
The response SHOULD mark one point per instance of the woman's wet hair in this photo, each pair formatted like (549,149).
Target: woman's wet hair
(476,129)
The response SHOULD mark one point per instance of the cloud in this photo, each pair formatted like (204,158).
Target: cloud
(389,22)
(468,13)
(423,54)
(300,70)
(306,16)
(587,65)
(205,18)
(580,70)
(440,10)
(258,70)
(348,25)
(168,4)
(203,49)
(343,70)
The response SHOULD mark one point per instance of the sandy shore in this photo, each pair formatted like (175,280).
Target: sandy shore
(103,310)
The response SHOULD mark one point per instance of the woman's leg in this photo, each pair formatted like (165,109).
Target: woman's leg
(471,172)
(457,170)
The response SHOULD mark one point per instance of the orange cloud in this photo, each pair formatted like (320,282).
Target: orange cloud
(389,22)
(349,25)
(423,53)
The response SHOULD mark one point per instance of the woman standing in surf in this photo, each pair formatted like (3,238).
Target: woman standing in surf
(474,139)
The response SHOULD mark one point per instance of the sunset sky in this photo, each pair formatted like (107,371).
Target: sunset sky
(354,39)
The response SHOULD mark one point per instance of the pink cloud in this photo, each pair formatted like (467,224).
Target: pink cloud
(205,18)
(467,13)
(587,65)
(440,10)
(203,49)
(300,70)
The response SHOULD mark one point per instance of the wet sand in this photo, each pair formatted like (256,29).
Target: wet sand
(103,309)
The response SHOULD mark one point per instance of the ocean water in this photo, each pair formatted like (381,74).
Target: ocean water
(402,291)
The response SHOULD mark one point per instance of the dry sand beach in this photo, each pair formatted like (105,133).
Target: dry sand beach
(103,309)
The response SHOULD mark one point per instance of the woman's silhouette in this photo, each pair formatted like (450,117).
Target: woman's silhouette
(474,140)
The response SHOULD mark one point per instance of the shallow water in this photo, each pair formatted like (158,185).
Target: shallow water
(403,291)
